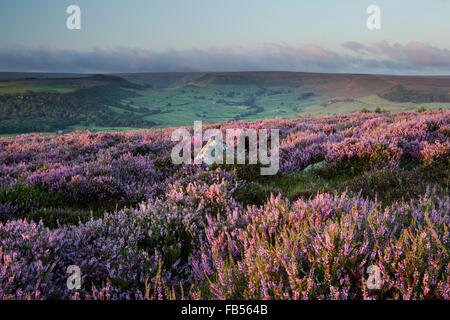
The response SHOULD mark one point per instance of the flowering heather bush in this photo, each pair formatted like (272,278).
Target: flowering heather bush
(435,152)
(372,139)
(130,166)
(85,168)
(321,249)
(316,249)
(123,249)
(166,231)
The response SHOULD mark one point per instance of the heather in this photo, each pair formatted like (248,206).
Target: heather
(140,227)
(308,249)
(320,249)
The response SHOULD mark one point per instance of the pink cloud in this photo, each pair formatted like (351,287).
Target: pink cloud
(382,57)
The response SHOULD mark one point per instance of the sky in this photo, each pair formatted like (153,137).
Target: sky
(227,35)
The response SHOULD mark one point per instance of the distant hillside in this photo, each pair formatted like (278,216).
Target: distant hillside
(400,94)
(37,102)
(162,79)
(334,85)
(339,86)
(54,104)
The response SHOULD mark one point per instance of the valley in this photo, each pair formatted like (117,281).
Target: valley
(51,103)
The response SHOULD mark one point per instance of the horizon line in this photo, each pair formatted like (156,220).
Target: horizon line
(228,72)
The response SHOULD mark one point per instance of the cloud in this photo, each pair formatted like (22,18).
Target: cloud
(417,53)
(414,56)
(355,46)
(382,57)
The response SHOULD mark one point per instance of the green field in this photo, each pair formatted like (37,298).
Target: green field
(182,106)
(218,103)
